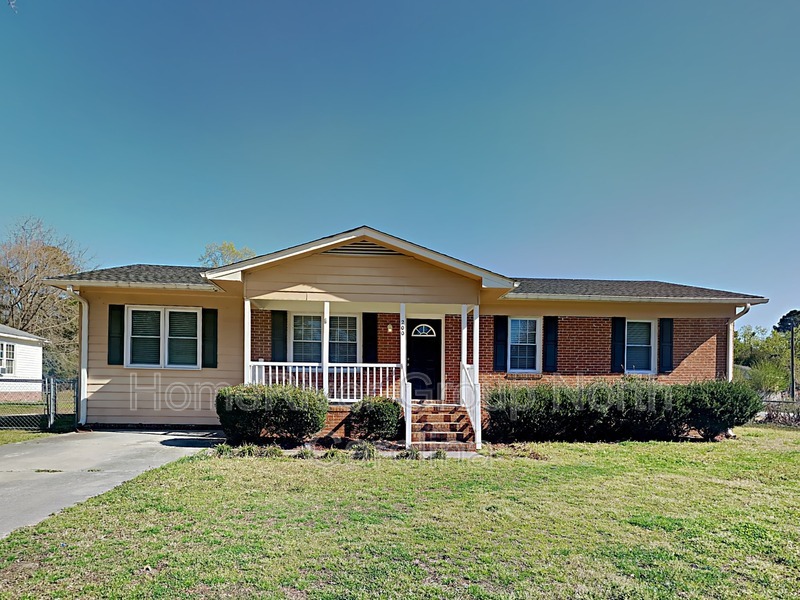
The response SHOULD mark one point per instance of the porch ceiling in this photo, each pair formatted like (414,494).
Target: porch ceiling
(311,306)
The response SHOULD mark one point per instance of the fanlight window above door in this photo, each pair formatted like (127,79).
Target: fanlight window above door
(423,330)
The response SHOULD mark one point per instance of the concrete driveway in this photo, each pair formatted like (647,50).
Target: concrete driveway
(40,477)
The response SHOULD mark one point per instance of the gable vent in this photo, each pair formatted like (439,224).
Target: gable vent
(363,248)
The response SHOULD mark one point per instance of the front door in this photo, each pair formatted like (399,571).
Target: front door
(424,347)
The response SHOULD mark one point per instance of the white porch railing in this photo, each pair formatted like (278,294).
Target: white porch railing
(346,382)
(471,399)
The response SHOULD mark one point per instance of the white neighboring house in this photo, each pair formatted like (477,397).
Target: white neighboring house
(20,358)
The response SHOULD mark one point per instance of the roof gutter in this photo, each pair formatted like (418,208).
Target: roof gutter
(731,331)
(84,357)
(25,338)
(586,298)
(71,283)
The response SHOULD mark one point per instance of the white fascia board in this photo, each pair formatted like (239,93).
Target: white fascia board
(488,278)
(685,300)
(228,272)
(34,339)
(78,283)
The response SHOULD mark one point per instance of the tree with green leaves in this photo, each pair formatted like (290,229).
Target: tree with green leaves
(789,323)
(218,255)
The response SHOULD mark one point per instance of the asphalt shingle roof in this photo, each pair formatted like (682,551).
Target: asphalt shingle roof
(174,275)
(152,274)
(620,289)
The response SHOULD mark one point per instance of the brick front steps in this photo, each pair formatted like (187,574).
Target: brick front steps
(441,427)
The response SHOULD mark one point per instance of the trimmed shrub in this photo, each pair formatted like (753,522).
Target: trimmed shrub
(364,451)
(376,418)
(716,406)
(249,412)
(631,409)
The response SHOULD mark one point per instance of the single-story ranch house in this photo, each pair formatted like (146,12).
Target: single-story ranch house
(365,313)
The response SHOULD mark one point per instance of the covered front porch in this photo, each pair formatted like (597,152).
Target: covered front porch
(417,354)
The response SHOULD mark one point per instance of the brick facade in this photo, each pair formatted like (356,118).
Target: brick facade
(584,350)
(700,350)
(388,343)
(261,334)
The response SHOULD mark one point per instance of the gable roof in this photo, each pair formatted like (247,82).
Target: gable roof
(365,240)
(620,290)
(11,332)
(354,237)
(160,276)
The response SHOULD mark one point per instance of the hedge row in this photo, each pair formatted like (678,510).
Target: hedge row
(626,410)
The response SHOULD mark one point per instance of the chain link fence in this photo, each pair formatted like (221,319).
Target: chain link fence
(38,404)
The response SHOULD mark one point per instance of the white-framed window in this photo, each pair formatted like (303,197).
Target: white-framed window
(306,337)
(7,354)
(344,340)
(640,347)
(163,337)
(524,344)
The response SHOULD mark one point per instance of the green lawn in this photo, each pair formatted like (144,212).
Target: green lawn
(9,436)
(633,520)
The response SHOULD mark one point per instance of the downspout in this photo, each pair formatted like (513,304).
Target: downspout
(738,315)
(84,359)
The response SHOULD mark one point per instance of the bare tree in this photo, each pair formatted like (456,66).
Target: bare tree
(32,252)
(217,255)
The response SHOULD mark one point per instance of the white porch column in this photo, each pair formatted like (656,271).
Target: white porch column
(476,355)
(476,344)
(403,344)
(326,337)
(404,391)
(464,322)
(247,337)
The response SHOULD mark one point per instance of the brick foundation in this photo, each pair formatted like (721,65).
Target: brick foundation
(336,422)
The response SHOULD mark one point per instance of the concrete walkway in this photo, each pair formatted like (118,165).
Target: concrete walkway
(40,477)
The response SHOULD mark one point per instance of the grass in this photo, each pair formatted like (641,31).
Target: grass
(10,436)
(630,520)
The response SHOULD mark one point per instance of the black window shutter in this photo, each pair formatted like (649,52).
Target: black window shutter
(369,337)
(116,334)
(665,332)
(618,344)
(210,319)
(500,343)
(279,319)
(550,360)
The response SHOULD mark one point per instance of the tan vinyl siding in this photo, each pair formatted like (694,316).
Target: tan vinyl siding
(167,396)
(342,278)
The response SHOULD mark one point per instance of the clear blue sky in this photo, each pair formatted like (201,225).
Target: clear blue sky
(627,140)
